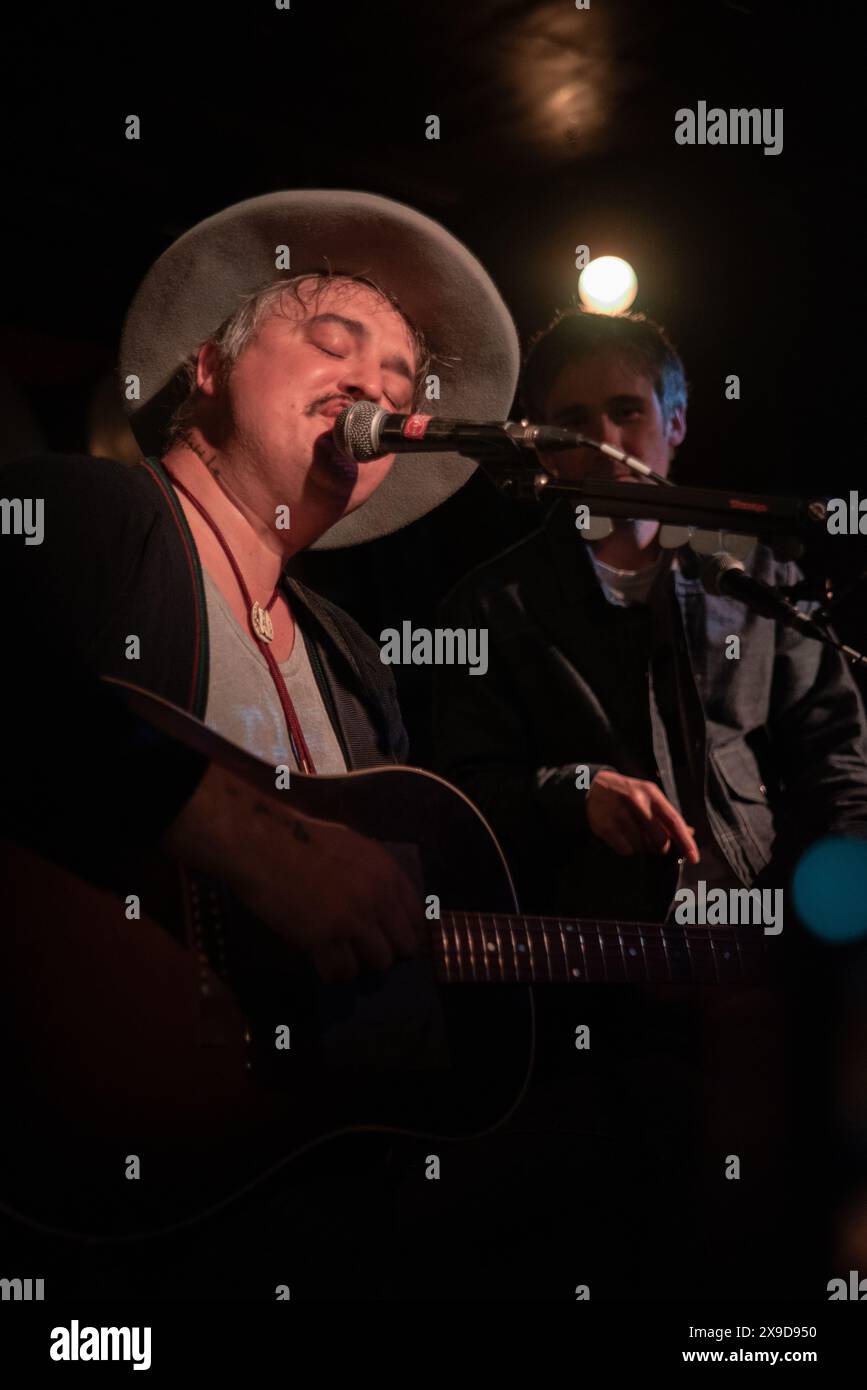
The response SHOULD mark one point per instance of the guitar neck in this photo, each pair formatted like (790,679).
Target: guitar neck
(482,948)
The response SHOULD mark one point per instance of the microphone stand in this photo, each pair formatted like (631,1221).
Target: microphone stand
(781,520)
(709,509)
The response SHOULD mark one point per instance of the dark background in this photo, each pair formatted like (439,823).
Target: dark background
(557,128)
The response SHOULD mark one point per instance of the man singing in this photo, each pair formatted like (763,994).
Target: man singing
(172,574)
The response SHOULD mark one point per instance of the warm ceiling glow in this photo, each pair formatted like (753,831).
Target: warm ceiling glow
(607,285)
(563,74)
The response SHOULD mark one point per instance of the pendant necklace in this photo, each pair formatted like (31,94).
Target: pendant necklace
(260,618)
(263,631)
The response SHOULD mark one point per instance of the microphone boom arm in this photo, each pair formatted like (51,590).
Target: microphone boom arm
(709,509)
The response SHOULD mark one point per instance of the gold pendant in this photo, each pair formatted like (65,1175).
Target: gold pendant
(262,625)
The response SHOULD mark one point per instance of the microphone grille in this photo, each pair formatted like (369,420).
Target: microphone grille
(354,431)
(714,567)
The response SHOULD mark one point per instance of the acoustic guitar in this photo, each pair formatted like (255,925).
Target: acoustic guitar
(158,1021)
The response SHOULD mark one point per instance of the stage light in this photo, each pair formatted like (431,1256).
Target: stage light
(607,285)
(829,888)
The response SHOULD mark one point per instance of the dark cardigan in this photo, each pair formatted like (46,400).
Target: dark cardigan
(82,778)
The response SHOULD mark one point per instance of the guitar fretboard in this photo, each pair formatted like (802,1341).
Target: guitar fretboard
(482,948)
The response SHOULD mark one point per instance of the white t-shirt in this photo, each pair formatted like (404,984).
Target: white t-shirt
(626,586)
(243,705)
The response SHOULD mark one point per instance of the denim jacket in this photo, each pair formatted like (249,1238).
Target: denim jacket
(778,744)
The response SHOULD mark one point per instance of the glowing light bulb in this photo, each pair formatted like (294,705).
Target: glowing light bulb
(607,285)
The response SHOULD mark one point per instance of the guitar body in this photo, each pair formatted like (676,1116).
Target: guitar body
(145,1021)
(156,1028)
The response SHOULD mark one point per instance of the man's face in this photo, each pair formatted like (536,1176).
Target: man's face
(274,416)
(604,397)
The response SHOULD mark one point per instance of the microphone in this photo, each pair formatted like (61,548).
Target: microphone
(365,431)
(722,574)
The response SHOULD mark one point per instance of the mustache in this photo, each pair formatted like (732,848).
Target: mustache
(315,406)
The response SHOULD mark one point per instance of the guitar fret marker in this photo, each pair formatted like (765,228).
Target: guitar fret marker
(675,952)
(514,950)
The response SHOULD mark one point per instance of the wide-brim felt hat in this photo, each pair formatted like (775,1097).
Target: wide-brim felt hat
(199,281)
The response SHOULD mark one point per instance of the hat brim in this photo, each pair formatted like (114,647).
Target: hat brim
(199,281)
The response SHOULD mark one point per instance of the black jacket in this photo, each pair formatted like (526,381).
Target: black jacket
(82,778)
(776,736)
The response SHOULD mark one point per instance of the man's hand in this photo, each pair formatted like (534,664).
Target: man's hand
(633,817)
(329,892)
(338,897)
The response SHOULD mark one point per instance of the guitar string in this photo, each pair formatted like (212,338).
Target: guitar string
(702,945)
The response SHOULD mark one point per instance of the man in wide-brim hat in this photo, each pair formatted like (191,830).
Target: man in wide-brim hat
(244,342)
